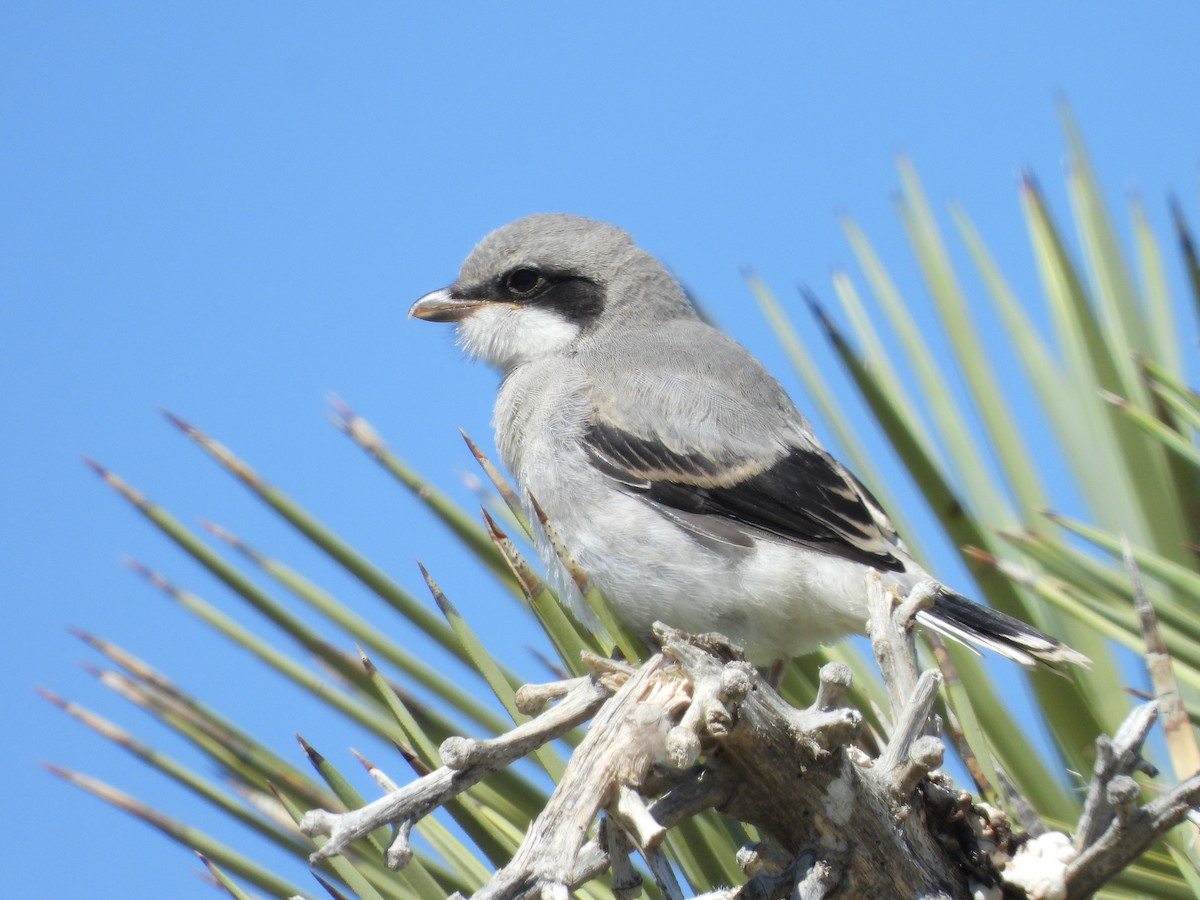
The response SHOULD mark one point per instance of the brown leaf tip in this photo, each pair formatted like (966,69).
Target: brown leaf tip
(179,423)
(366,763)
(982,556)
(494,531)
(313,756)
(47,694)
(472,446)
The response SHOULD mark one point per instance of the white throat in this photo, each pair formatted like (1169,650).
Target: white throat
(506,336)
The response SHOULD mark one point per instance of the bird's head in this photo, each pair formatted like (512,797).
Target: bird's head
(537,286)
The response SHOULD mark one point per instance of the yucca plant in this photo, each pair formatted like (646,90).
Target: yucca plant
(1110,379)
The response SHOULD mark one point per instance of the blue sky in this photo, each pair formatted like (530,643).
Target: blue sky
(225,210)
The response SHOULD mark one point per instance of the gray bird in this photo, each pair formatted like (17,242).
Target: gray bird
(676,469)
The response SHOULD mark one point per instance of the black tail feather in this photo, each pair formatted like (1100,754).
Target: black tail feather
(973,624)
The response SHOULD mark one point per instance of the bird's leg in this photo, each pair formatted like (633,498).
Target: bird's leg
(775,673)
(891,641)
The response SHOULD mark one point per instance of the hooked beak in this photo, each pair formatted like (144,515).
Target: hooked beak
(442,306)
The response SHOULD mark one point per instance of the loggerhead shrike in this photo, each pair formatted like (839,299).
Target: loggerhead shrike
(674,466)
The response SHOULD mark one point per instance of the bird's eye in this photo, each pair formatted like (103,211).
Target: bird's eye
(523,282)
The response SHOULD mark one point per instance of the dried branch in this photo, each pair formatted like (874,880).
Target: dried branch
(1113,830)
(627,737)
(1181,737)
(418,799)
(1132,830)
(697,728)
(1118,755)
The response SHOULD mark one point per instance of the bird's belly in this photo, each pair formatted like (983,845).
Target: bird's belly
(776,599)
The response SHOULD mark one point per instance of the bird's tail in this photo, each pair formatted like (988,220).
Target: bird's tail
(964,620)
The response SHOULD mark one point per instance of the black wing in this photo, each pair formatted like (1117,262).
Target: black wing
(805,496)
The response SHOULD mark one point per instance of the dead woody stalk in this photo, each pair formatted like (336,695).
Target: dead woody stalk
(697,728)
